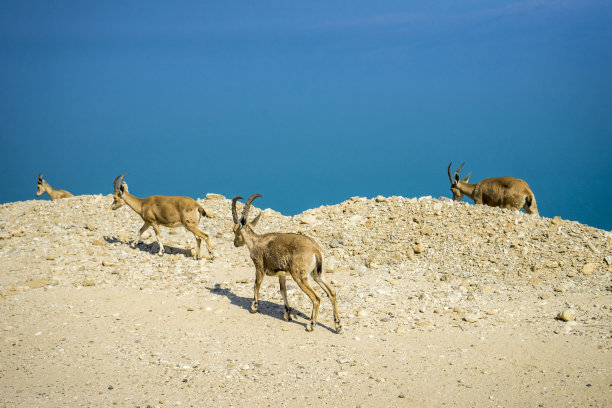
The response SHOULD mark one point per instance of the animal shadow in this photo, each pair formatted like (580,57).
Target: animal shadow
(152,248)
(266,308)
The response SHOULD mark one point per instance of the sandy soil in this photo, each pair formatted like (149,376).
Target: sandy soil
(86,320)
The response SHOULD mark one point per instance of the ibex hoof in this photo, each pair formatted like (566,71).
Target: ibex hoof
(339,329)
(254,309)
(310,327)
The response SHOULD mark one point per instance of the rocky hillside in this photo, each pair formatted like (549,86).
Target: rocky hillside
(403,268)
(81,241)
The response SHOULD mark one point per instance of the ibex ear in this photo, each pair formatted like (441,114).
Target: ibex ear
(465,180)
(256,219)
(122,188)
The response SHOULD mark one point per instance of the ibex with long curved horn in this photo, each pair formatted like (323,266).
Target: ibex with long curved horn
(163,210)
(279,254)
(44,187)
(504,192)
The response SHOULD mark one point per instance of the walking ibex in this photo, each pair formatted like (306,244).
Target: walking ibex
(279,254)
(504,192)
(163,210)
(44,187)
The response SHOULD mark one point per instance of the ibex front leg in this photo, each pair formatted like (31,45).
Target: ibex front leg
(283,288)
(139,234)
(259,275)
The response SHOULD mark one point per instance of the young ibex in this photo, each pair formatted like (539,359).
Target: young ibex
(44,187)
(276,254)
(504,192)
(163,210)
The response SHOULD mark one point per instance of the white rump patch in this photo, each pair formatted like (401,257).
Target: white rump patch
(313,265)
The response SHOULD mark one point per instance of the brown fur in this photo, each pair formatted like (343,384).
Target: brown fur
(279,254)
(168,211)
(44,187)
(504,192)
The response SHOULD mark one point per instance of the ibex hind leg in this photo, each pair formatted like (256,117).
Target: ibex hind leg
(158,236)
(316,300)
(530,206)
(318,277)
(199,235)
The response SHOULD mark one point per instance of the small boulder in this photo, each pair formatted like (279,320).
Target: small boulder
(567,315)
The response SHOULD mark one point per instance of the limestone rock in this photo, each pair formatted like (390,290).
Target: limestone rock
(307,219)
(471,317)
(567,315)
(418,248)
(213,196)
(38,283)
(589,268)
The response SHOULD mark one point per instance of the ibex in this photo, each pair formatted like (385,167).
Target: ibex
(163,210)
(279,254)
(504,192)
(44,187)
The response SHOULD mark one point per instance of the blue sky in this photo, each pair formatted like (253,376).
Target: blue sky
(308,103)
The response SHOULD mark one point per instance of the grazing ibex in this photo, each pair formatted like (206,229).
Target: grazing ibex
(279,254)
(504,192)
(163,210)
(44,187)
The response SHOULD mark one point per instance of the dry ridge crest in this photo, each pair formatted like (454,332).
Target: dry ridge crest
(80,240)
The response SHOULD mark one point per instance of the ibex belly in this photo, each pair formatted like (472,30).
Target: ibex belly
(277,273)
(171,224)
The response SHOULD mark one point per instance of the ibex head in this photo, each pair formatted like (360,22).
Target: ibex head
(457,192)
(40,188)
(119,188)
(241,223)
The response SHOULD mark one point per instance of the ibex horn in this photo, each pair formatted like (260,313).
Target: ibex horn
(116,183)
(449,174)
(457,172)
(247,207)
(234,212)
